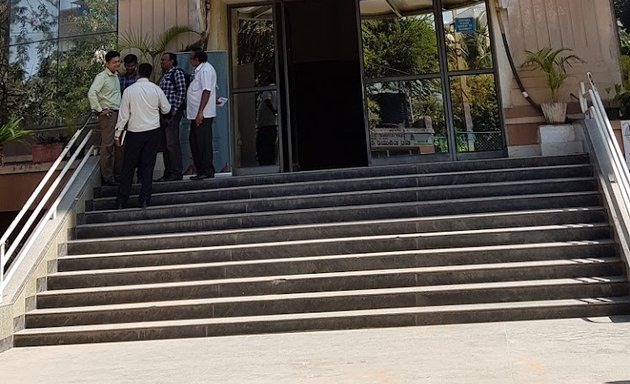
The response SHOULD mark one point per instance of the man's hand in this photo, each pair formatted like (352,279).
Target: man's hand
(117,142)
(106,112)
(199,119)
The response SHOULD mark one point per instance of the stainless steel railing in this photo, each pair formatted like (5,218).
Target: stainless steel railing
(11,258)
(609,159)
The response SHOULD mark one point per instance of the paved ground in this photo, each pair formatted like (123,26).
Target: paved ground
(577,351)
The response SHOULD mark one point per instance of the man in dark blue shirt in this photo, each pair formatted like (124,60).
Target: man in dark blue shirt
(131,72)
(173,83)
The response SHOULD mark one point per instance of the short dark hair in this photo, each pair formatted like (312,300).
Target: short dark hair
(145,70)
(110,55)
(172,57)
(200,55)
(131,58)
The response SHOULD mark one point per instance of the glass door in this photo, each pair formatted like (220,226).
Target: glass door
(256,112)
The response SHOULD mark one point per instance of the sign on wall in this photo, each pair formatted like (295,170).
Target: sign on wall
(464,24)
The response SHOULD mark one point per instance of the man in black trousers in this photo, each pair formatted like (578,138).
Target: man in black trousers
(140,110)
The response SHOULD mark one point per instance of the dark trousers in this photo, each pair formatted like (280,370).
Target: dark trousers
(201,146)
(140,151)
(266,144)
(172,149)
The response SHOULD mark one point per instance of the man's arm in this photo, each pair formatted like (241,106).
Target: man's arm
(209,83)
(123,116)
(96,86)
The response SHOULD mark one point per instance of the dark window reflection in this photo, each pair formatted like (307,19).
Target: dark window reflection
(254,47)
(476,113)
(406,118)
(256,128)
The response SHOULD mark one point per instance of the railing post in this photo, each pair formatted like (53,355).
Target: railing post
(1,270)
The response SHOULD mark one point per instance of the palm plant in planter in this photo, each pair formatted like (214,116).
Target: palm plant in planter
(11,131)
(553,63)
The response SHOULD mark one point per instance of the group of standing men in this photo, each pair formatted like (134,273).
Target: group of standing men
(138,117)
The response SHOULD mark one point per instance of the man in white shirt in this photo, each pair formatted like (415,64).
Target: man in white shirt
(201,109)
(140,110)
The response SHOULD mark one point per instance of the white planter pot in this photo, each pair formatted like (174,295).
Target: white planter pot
(555,113)
(558,140)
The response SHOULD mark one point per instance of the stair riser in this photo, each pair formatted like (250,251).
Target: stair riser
(345,214)
(399,278)
(393,244)
(366,229)
(353,186)
(333,323)
(389,260)
(327,304)
(365,198)
(410,169)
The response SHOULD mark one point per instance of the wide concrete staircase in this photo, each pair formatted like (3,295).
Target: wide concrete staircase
(477,241)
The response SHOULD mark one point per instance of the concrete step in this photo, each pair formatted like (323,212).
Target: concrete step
(352,173)
(339,229)
(210,271)
(552,289)
(333,214)
(359,184)
(368,197)
(502,254)
(413,241)
(371,318)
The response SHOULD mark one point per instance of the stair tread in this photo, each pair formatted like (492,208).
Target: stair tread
(364,179)
(237,231)
(330,294)
(362,192)
(589,301)
(445,268)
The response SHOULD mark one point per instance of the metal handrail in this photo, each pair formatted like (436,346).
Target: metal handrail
(6,255)
(609,160)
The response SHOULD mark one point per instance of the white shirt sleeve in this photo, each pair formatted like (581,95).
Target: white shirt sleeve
(208,81)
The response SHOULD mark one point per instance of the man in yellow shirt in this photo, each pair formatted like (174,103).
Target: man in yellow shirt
(104,97)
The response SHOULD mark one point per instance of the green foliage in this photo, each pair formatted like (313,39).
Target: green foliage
(12,131)
(256,45)
(399,46)
(622,9)
(553,64)
(151,49)
(622,91)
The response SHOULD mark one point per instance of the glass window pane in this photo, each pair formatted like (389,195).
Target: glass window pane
(256,128)
(32,77)
(86,17)
(76,70)
(253,47)
(468,37)
(33,20)
(476,113)
(399,46)
(406,118)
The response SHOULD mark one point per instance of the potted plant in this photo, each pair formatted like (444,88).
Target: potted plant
(11,131)
(46,149)
(553,63)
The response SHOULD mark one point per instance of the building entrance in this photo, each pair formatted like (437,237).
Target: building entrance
(321,84)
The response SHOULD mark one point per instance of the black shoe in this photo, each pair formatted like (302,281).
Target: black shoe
(109,182)
(171,178)
(200,176)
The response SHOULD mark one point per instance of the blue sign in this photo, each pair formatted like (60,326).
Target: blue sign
(464,24)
